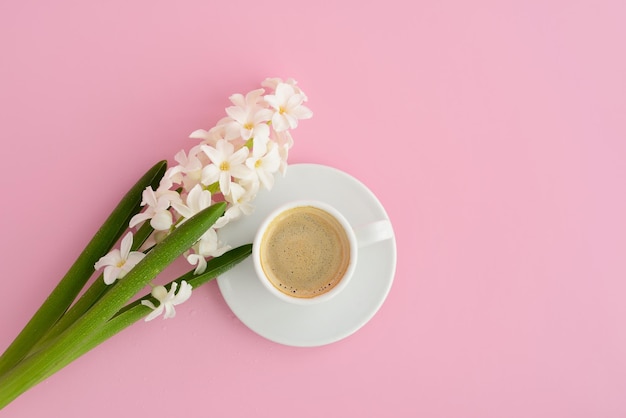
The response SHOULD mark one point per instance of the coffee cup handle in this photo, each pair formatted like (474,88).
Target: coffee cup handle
(372,233)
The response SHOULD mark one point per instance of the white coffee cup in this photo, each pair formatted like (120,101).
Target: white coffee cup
(305,251)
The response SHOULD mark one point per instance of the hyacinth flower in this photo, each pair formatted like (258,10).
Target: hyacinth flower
(169,213)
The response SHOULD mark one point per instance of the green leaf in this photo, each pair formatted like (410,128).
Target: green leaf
(82,269)
(30,371)
(97,289)
(136,311)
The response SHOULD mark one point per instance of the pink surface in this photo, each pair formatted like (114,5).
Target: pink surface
(493,133)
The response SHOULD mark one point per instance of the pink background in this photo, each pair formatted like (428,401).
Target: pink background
(493,132)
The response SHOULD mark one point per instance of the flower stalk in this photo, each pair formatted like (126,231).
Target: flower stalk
(82,269)
(91,295)
(67,346)
(167,214)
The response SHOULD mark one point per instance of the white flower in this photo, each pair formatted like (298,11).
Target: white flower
(199,261)
(167,300)
(216,133)
(227,163)
(118,262)
(208,245)
(158,203)
(285,142)
(248,117)
(265,163)
(188,172)
(252,98)
(241,194)
(207,137)
(288,107)
(272,83)
(197,200)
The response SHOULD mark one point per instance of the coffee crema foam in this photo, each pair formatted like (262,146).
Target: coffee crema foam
(305,252)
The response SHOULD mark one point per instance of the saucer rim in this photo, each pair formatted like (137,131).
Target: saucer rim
(337,333)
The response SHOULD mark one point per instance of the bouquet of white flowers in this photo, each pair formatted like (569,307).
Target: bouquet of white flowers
(166,214)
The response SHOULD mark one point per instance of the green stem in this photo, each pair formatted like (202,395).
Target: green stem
(135,311)
(82,269)
(97,289)
(214,268)
(31,370)
(213,187)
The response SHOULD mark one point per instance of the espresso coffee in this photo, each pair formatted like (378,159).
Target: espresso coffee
(305,252)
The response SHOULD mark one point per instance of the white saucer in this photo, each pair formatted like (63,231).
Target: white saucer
(326,322)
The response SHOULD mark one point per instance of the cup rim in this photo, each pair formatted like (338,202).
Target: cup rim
(261,276)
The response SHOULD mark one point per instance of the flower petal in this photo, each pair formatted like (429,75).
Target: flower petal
(170,312)
(162,221)
(241,172)
(148,303)
(294,101)
(138,218)
(110,259)
(155,312)
(291,120)
(266,179)
(273,101)
(183,294)
(302,112)
(213,154)
(238,99)
(239,156)
(111,274)
(279,122)
(127,243)
(239,114)
(224,182)
(284,91)
(199,134)
(198,261)
(133,259)
(262,115)
(210,174)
